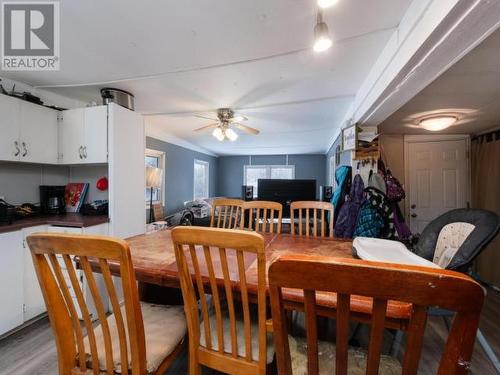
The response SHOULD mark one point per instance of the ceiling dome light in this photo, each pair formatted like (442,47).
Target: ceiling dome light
(326,3)
(219,134)
(437,123)
(231,135)
(322,40)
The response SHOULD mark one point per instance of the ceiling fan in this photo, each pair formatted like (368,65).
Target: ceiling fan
(225,122)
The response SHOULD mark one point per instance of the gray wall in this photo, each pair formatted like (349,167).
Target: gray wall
(230,176)
(19,182)
(179,173)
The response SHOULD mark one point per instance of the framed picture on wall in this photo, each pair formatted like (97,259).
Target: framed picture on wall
(349,138)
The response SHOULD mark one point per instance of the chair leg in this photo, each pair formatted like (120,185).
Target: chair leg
(488,350)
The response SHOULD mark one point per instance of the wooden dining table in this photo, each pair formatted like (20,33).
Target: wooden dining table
(153,258)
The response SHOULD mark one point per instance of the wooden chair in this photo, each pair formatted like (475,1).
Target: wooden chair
(304,218)
(260,216)
(147,345)
(214,261)
(226,213)
(420,286)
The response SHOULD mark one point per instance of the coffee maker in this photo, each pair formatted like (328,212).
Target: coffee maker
(52,199)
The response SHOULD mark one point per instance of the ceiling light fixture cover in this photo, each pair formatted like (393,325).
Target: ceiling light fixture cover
(437,123)
(322,39)
(326,3)
(231,135)
(219,134)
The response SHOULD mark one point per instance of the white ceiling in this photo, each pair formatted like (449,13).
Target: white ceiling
(470,89)
(191,56)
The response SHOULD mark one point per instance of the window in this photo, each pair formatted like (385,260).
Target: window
(252,174)
(155,159)
(201,179)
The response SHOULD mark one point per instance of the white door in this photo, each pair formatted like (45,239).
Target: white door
(34,303)
(96,135)
(72,136)
(438,180)
(38,135)
(9,128)
(11,281)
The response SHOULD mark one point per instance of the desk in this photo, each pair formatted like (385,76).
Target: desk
(153,258)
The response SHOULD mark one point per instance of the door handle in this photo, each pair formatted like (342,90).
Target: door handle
(414,215)
(413,206)
(18,150)
(85,152)
(80,152)
(25,149)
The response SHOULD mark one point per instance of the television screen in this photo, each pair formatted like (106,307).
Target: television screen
(286,191)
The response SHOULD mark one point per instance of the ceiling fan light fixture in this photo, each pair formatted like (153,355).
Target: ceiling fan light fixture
(219,134)
(437,123)
(326,3)
(322,39)
(231,135)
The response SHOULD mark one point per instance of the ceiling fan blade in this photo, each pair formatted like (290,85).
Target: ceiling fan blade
(211,126)
(246,128)
(239,118)
(206,117)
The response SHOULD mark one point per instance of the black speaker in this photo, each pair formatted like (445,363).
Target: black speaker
(326,193)
(247,192)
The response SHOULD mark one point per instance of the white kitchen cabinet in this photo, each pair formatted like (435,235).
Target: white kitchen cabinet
(38,134)
(9,128)
(11,281)
(28,132)
(34,304)
(83,135)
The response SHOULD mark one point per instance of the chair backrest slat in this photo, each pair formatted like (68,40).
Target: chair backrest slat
(55,256)
(420,287)
(317,209)
(226,213)
(260,216)
(341,350)
(223,275)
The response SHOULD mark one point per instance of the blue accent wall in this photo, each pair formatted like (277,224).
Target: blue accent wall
(230,176)
(179,173)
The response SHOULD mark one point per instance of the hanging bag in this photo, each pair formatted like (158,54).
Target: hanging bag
(395,191)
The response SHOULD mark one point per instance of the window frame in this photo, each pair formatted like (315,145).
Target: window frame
(207,178)
(161,161)
(268,172)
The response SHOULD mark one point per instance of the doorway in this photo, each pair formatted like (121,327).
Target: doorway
(437,177)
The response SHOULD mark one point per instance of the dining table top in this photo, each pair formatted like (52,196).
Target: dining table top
(153,259)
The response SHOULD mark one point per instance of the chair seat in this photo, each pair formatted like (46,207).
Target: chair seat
(326,353)
(240,338)
(164,328)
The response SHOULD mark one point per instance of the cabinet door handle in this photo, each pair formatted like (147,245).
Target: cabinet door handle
(85,152)
(18,150)
(25,149)
(80,152)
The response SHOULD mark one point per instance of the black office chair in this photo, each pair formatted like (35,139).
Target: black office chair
(486,226)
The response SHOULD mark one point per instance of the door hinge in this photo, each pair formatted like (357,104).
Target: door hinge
(60,116)
(25,310)
(24,244)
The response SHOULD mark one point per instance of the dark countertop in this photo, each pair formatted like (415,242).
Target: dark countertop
(67,220)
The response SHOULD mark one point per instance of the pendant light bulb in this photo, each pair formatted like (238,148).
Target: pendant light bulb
(326,3)
(322,40)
